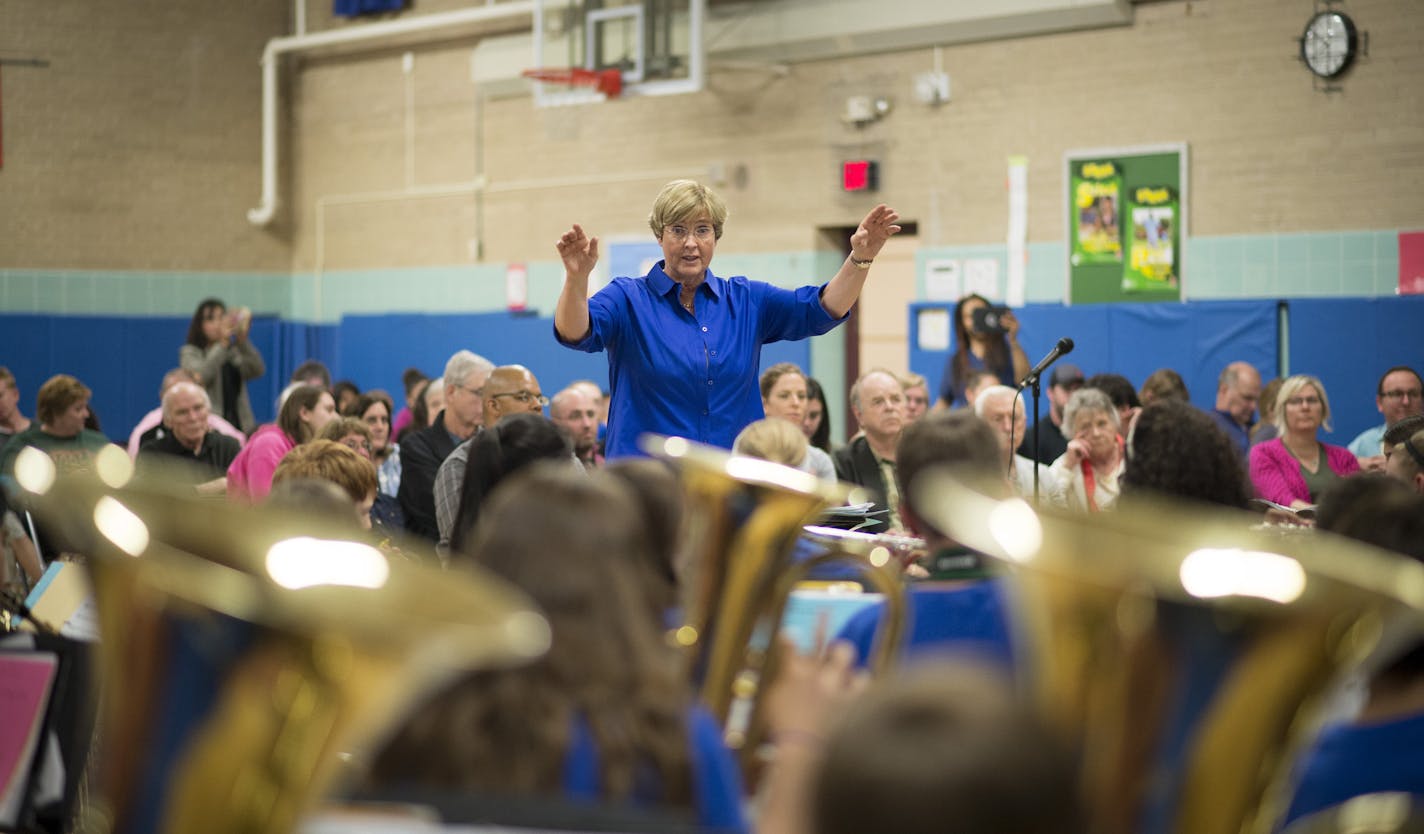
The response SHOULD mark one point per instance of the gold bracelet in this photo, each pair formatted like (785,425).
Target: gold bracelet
(865,264)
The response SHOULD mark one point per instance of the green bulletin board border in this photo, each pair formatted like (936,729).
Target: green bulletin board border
(1144,165)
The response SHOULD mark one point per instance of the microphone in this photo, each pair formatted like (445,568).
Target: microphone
(1063,348)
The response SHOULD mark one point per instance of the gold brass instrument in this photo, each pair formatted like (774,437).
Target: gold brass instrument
(248,656)
(743,517)
(1185,654)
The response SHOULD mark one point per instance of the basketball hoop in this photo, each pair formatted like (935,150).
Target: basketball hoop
(608,82)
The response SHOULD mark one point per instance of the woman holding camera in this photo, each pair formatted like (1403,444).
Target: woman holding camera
(224,360)
(981,344)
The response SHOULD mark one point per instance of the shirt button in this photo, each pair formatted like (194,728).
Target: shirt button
(714,353)
(704,329)
(704,412)
(709,382)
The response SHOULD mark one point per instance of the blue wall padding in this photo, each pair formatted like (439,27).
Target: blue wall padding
(123,359)
(1196,340)
(1348,343)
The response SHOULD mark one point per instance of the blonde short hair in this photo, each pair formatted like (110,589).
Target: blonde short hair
(684,200)
(1290,388)
(773,439)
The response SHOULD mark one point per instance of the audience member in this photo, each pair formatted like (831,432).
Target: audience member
(315,498)
(1163,384)
(878,404)
(218,352)
(151,427)
(1378,749)
(346,392)
(327,460)
(783,397)
(1237,391)
(312,372)
(374,409)
(776,440)
(12,420)
(1003,409)
(1124,397)
(1062,382)
(606,714)
(509,389)
(424,451)
(61,407)
(205,453)
(576,413)
(1265,428)
(978,381)
(1399,394)
(1404,451)
(1295,468)
(351,432)
(412,379)
(917,395)
(978,347)
(1093,463)
(1178,450)
(817,424)
(512,443)
(305,411)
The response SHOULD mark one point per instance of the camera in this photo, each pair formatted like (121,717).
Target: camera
(989,321)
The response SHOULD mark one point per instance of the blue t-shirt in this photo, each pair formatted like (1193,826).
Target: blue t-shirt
(691,375)
(955,397)
(716,780)
(1350,760)
(970,619)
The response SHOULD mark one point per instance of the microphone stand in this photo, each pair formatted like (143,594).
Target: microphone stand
(1032,381)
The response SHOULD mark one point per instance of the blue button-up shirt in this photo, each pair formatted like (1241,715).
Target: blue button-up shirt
(691,375)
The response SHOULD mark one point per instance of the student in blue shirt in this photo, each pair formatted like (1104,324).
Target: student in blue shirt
(684,345)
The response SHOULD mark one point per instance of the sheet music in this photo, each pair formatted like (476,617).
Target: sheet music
(83,624)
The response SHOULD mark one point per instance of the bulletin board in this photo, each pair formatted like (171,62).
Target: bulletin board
(1127,223)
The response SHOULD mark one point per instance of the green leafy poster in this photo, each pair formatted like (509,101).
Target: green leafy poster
(1152,244)
(1096,232)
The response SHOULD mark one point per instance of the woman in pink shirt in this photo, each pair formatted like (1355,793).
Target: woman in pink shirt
(305,411)
(1295,467)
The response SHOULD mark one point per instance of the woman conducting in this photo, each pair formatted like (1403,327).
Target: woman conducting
(218,351)
(684,345)
(1295,468)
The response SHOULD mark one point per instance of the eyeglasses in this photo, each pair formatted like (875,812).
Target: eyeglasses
(1403,394)
(680,233)
(524,397)
(1300,401)
(476,391)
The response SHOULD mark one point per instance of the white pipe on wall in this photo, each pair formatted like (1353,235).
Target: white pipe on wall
(368,34)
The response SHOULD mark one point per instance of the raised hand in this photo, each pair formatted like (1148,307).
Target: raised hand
(578,251)
(874,230)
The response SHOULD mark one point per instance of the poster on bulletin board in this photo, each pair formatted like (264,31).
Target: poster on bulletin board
(1127,210)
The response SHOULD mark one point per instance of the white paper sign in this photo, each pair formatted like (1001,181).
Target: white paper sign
(933,327)
(942,280)
(981,276)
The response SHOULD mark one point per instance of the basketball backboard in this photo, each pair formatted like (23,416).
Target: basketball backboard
(657,45)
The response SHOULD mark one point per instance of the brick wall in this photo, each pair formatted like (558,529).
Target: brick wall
(138,147)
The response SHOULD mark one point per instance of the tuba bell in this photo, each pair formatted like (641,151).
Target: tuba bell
(1186,655)
(743,517)
(248,656)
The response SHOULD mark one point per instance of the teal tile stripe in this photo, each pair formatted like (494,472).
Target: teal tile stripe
(1352,263)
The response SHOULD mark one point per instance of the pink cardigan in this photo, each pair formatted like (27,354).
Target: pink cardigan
(1275,472)
(250,475)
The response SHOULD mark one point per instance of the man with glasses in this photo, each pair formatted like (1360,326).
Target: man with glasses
(1238,389)
(1399,394)
(509,389)
(423,452)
